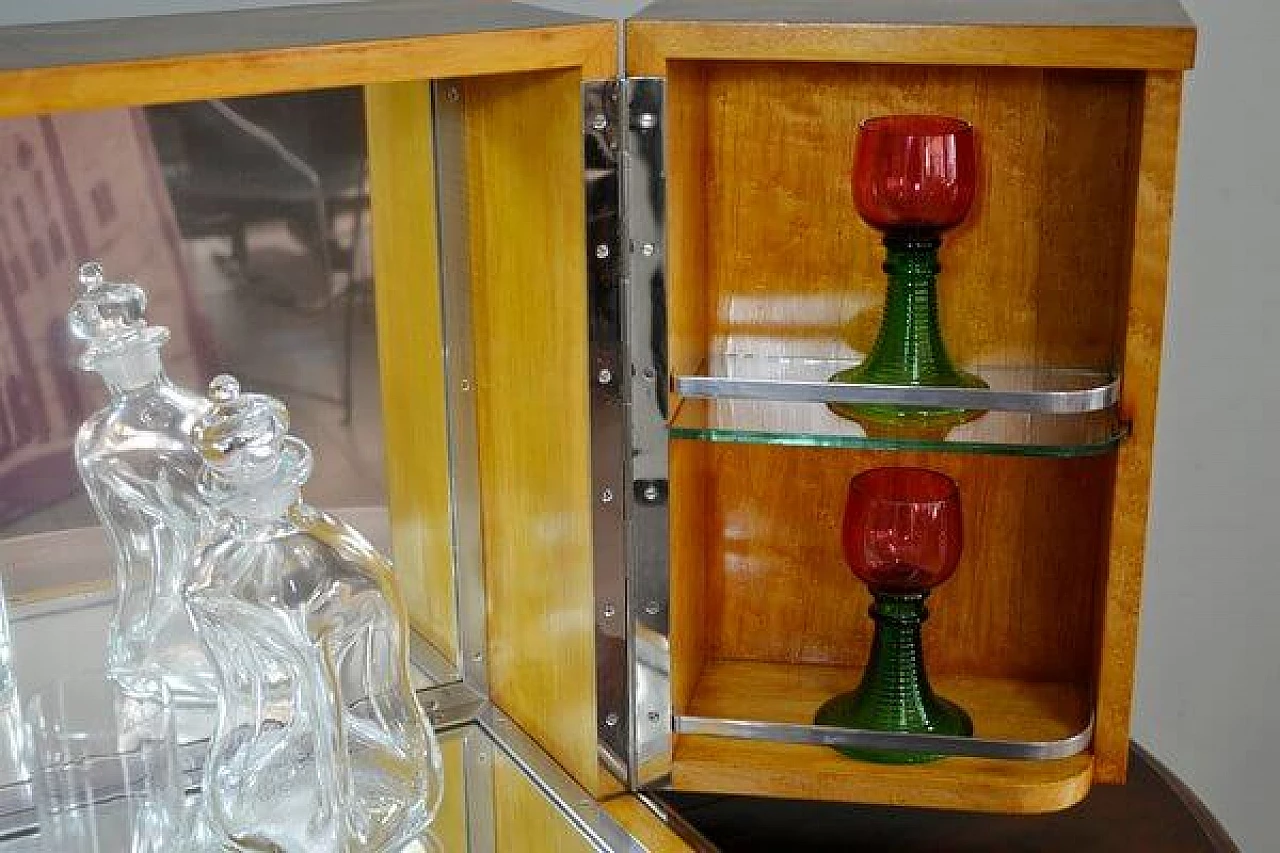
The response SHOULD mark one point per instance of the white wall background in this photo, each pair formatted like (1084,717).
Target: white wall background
(1209,668)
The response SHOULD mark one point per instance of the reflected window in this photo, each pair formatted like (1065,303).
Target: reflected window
(247,221)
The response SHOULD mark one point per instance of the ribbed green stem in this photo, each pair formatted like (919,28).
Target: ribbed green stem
(895,695)
(909,349)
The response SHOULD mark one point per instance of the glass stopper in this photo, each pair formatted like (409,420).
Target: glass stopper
(242,434)
(109,316)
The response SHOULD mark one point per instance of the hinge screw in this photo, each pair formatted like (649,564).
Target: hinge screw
(651,493)
(606,496)
(609,611)
(452,95)
(602,251)
(605,376)
(652,608)
(600,122)
(646,121)
(648,250)
(654,716)
(611,720)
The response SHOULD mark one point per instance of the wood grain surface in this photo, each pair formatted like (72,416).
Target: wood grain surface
(197,76)
(525,820)
(1037,273)
(411,354)
(644,826)
(1143,344)
(1021,605)
(524,149)
(450,823)
(1001,708)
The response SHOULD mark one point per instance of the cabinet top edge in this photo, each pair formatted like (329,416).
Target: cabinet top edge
(121,40)
(1046,13)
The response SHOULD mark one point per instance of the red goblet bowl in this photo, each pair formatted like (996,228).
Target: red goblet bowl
(903,529)
(914,171)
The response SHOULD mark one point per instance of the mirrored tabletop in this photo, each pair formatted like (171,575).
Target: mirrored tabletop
(501,791)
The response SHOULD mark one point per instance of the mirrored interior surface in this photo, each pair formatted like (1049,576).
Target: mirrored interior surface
(247,222)
(487,795)
(60,633)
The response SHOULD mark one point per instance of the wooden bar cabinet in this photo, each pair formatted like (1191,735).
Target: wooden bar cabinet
(606,299)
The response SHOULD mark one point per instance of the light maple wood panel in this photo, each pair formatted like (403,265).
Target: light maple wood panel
(1038,270)
(450,823)
(201,75)
(524,149)
(524,819)
(1000,708)
(411,354)
(1122,590)
(644,826)
(1021,605)
(687,253)
(692,528)
(653,44)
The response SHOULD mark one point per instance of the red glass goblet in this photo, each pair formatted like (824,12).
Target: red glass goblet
(903,534)
(914,173)
(914,177)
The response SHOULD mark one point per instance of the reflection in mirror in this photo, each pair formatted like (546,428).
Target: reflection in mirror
(247,222)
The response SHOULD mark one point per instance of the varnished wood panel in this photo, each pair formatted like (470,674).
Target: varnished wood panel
(653,44)
(1000,709)
(1035,275)
(450,824)
(524,149)
(644,826)
(693,526)
(524,820)
(1021,605)
(27,91)
(687,252)
(1122,592)
(411,354)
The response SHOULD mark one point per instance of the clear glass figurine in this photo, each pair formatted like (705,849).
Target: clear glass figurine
(320,745)
(141,471)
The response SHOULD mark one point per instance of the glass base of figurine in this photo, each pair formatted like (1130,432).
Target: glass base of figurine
(858,710)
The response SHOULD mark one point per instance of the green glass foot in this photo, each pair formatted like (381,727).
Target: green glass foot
(895,695)
(906,417)
(853,711)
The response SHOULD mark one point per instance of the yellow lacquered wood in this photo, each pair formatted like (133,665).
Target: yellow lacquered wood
(1143,344)
(450,823)
(525,821)
(589,47)
(644,826)
(411,354)
(524,147)
(1001,708)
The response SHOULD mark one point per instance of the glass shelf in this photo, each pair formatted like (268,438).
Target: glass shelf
(1034,390)
(814,425)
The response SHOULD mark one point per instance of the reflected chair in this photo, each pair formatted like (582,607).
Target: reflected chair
(299,159)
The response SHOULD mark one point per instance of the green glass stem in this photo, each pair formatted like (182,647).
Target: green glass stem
(894,695)
(909,349)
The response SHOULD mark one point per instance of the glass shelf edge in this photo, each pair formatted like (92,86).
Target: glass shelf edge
(805,380)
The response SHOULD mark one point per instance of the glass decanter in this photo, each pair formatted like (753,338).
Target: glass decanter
(141,472)
(320,745)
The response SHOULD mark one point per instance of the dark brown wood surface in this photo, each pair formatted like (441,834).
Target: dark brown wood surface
(1153,813)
